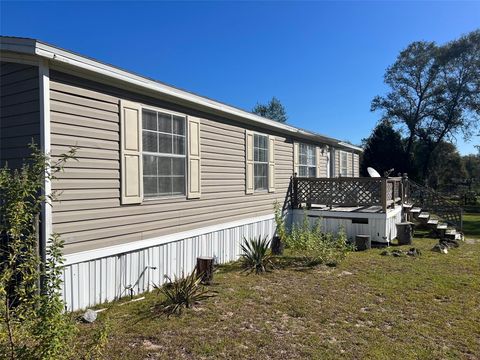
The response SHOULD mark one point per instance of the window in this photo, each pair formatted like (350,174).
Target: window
(163,154)
(260,162)
(307,161)
(343,163)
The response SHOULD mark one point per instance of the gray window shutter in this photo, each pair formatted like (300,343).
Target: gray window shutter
(296,157)
(194,159)
(271,163)
(249,162)
(131,152)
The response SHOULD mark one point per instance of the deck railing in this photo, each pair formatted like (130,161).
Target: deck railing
(433,202)
(348,191)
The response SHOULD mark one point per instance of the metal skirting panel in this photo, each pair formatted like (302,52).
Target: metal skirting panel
(106,279)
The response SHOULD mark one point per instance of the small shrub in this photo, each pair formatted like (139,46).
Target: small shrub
(256,255)
(309,242)
(33,324)
(96,348)
(281,229)
(183,292)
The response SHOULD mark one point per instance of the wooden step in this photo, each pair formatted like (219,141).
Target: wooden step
(407,206)
(441,228)
(432,222)
(423,217)
(415,210)
(453,234)
(450,233)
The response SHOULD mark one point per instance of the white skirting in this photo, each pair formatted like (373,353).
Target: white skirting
(380,226)
(97,279)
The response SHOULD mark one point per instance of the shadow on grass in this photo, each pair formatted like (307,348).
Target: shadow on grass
(280,262)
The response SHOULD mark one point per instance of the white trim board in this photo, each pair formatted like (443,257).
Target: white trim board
(45,144)
(141,244)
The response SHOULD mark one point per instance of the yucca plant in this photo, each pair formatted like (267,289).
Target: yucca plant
(256,255)
(182,292)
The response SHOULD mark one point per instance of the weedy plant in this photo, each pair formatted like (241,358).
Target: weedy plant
(96,348)
(256,256)
(182,292)
(33,324)
(311,243)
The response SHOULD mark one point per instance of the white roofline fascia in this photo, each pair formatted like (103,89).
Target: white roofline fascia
(353,147)
(55,54)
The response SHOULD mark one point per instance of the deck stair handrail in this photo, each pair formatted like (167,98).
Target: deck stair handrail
(348,191)
(429,200)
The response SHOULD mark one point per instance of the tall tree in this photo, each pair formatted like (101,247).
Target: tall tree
(472,166)
(434,92)
(274,110)
(413,87)
(446,168)
(383,150)
(458,103)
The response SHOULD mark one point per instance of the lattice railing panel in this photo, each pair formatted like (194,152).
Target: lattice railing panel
(340,191)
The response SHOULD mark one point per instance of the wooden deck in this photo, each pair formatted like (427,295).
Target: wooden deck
(357,209)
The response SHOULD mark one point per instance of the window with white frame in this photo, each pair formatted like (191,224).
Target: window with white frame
(343,163)
(163,154)
(260,162)
(307,161)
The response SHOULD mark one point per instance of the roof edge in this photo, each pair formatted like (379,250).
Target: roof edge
(56,54)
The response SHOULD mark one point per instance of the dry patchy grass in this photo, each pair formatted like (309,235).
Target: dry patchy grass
(371,306)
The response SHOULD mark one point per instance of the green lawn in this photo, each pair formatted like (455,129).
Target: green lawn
(471,225)
(369,307)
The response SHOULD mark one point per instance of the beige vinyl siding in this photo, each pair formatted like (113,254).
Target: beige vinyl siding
(19,112)
(88,213)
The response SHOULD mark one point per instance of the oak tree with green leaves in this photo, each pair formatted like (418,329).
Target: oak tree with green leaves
(434,93)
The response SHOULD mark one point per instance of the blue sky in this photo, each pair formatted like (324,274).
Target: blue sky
(324,60)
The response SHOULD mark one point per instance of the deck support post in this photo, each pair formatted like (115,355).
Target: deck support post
(293,179)
(383,194)
(405,187)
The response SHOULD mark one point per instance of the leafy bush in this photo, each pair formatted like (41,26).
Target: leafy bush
(256,255)
(309,242)
(183,292)
(33,324)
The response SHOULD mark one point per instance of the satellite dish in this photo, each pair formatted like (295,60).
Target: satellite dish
(372,172)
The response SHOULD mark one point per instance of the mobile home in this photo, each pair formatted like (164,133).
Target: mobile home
(163,175)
